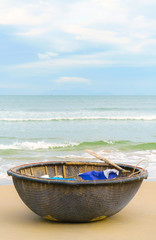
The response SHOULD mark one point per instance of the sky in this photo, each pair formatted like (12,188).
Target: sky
(74,47)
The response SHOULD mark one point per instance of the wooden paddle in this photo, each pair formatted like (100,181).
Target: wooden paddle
(105,160)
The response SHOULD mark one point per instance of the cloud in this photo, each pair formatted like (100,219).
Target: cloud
(32,32)
(30,13)
(47,39)
(69,61)
(47,55)
(72,80)
(82,61)
(82,29)
(98,36)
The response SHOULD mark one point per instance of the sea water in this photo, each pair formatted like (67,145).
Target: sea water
(48,128)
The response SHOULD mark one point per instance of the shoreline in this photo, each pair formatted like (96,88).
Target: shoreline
(135,221)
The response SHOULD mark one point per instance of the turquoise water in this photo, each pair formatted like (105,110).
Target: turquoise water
(44,128)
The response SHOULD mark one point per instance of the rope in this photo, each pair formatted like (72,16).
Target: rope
(134,173)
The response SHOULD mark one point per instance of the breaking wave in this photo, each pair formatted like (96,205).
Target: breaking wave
(120,145)
(114,118)
(35,145)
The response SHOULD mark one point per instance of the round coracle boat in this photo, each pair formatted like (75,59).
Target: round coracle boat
(79,200)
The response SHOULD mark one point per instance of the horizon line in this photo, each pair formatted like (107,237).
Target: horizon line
(63,95)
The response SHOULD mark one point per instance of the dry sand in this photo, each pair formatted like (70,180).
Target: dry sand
(136,221)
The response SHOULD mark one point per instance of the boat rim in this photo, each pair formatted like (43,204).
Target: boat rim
(143,174)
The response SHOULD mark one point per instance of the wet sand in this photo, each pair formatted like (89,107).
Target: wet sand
(136,221)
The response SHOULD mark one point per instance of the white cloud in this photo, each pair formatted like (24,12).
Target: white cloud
(72,80)
(70,61)
(94,35)
(32,32)
(125,27)
(47,55)
(31,13)
(93,12)
(102,59)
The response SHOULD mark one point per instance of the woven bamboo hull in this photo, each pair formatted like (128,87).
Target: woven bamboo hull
(76,201)
(88,203)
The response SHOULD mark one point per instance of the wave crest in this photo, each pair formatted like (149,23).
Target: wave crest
(115,118)
(70,146)
(35,145)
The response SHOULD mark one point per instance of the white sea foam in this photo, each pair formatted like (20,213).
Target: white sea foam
(14,116)
(132,158)
(116,156)
(35,145)
(3,170)
(74,118)
(77,157)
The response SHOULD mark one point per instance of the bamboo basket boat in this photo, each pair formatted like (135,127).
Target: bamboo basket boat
(74,201)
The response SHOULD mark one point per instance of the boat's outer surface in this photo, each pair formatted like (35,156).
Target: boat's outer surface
(73,201)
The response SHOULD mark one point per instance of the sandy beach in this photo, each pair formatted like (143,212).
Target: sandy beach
(136,221)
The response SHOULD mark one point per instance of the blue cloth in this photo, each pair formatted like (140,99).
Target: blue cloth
(59,178)
(97,175)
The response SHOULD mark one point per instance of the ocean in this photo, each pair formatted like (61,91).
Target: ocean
(47,128)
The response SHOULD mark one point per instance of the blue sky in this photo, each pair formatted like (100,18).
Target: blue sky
(78,47)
